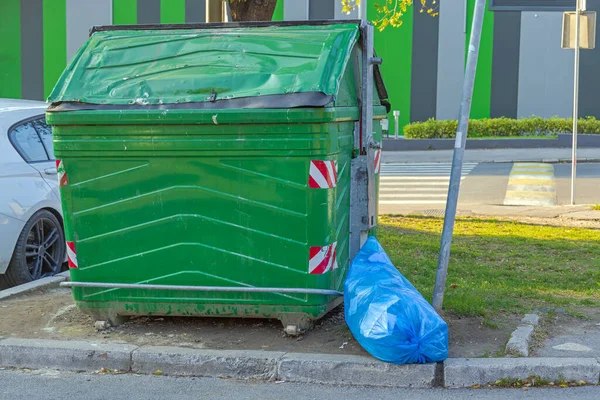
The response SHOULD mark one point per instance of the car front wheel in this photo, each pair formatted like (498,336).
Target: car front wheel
(40,250)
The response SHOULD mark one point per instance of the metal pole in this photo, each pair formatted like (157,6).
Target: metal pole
(214,11)
(396,128)
(575,102)
(459,151)
(362,10)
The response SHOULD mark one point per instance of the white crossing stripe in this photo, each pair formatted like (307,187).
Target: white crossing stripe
(425,183)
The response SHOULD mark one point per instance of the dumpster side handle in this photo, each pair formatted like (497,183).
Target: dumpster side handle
(101,285)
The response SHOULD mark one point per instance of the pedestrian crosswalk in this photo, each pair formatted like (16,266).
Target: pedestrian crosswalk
(423,183)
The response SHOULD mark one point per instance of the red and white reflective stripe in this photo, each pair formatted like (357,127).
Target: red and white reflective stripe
(377,161)
(71,255)
(62,175)
(322,259)
(323,174)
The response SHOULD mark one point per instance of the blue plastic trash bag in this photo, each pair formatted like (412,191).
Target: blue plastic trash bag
(387,315)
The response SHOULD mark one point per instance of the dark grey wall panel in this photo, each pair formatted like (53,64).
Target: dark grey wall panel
(321,9)
(589,78)
(423,94)
(32,50)
(295,10)
(148,12)
(338,14)
(505,64)
(195,11)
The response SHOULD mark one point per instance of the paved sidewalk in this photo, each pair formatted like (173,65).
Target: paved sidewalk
(580,213)
(492,155)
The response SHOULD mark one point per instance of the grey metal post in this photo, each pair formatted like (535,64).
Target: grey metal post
(362,185)
(214,11)
(575,101)
(459,151)
(396,118)
(362,10)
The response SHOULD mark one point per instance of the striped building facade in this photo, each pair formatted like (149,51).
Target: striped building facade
(522,69)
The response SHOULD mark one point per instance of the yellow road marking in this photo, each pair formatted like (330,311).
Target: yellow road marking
(528,193)
(514,172)
(543,182)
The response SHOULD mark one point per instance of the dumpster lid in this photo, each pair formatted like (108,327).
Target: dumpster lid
(252,66)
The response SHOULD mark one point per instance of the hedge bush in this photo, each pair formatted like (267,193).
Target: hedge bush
(508,127)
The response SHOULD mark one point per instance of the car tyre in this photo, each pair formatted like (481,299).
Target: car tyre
(39,252)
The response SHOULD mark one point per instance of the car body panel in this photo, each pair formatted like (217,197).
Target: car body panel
(10,229)
(25,188)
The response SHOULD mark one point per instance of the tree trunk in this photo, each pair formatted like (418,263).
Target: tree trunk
(252,10)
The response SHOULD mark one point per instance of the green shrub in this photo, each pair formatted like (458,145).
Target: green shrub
(507,127)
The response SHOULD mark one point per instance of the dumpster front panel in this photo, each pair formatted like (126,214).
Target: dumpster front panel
(221,220)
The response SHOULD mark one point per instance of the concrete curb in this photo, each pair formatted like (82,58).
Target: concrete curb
(67,355)
(260,365)
(564,140)
(534,160)
(516,160)
(465,372)
(518,344)
(40,284)
(354,370)
(290,367)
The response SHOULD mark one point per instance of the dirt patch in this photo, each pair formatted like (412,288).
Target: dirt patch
(473,337)
(53,315)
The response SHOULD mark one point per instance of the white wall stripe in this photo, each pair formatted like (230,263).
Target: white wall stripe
(451,57)
(81,16)
(295,10)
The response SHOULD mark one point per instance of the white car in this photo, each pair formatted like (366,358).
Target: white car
(32,239)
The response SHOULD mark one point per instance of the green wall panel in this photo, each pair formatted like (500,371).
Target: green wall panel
(278,13)
(55,42)
(124,12)
(482,93)
(172,11)
(10,49)
(394,45)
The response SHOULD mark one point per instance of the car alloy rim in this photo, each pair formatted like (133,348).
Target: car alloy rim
(42,249)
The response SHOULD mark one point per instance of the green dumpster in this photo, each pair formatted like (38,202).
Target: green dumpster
(207,170)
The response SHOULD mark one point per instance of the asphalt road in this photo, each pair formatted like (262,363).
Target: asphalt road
(42,385)
(406,186)
(587,190)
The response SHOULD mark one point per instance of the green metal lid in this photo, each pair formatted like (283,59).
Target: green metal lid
(154,67)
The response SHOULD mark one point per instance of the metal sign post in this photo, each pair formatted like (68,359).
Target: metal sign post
(459,151)
(573,24)
(575,100)
(362,10)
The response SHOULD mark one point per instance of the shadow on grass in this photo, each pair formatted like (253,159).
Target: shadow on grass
(498,266)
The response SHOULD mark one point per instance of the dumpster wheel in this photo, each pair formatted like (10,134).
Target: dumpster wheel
(295,324)
(104,320)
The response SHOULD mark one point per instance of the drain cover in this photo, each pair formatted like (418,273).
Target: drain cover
(434,213)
